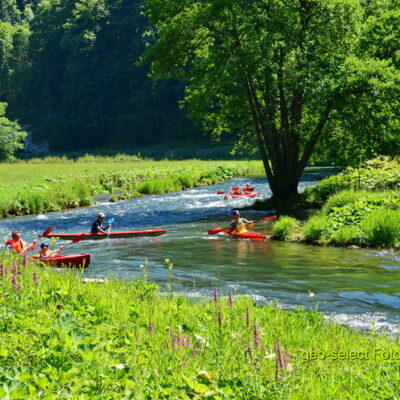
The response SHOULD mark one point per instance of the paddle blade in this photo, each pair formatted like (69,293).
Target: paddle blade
(268,218)
(111,220)
(47,231)
(214,231)
(78,239)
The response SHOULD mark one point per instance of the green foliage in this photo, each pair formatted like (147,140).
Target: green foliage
(63,338)
(11,136)
(378,174)
(360,218)
(382,228)
(315,229)
(317,82)
(285,228)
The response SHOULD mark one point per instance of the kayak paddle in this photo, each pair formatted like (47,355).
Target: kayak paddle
(47,231)
(214,231)
(110,221)
(76,240)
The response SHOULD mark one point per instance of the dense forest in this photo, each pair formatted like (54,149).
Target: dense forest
(69,73)
(76,75)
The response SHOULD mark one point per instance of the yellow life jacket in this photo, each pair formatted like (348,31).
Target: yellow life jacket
(241,229)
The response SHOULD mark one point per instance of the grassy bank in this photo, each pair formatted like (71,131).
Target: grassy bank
(357,207)
(61,338)
(52,184)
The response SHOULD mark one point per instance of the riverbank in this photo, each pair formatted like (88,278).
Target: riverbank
(53,184)
(64,338)
(358,207)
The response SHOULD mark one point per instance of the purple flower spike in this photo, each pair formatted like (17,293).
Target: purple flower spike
(2,270)
(279,361)
(250,351)
(215,296)
(248,317)
(151,328)
(15,268)
(256,337)
(14,282)
(230,299)
(25,261)
(219,317)
(35,278)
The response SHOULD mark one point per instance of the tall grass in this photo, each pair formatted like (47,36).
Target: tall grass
(63,338)
(285,228)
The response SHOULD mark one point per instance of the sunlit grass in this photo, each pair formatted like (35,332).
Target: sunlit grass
(63,338)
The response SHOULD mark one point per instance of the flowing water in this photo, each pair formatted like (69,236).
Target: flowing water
(359,287)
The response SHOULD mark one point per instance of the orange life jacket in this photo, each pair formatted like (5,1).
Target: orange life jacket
(17,245)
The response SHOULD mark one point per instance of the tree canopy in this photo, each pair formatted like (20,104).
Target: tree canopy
(283,74)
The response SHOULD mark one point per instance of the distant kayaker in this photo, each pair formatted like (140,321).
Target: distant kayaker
(17,244)
(97,226)
(239,224)
(248,188)
(236,191)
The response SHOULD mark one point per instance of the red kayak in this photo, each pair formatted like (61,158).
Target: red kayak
(246,235)
(235,196)
(112,235)
(67,261)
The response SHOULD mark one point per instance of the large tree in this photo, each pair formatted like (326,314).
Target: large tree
(281,73)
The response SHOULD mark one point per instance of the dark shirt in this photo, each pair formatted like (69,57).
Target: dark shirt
(96,225)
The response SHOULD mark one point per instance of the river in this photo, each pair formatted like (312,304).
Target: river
(358,287)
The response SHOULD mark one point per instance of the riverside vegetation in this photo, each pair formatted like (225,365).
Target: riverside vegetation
(360,206)
(62,338)
(55,183)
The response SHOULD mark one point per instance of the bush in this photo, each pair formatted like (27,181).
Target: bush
(382,228)
(316,228)
(348,234)
(285,228)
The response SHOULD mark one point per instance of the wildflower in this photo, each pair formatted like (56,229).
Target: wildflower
(3,270)
(25,261)
(14,283)
(230,299)
(219,317)
(215,296)
(247,317)
(151,328)
(35,278)
(15,269)
(256,337)
(279,361)
(311,294)
(250,351)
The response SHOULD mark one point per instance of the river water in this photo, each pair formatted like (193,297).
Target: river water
(359,287)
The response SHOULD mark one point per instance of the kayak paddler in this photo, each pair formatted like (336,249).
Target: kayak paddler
(46,252)
(236,191)
(239,224)
(17,244)
(97,226)
(248,188)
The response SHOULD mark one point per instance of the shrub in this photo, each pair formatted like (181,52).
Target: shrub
(316,228)
(382,228)
(348,234)
(285,228)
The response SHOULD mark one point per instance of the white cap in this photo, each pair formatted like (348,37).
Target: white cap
(101,215)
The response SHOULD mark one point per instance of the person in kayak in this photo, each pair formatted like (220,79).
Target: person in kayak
(46,252)
(248,188)
(236,191)
(97,226)
(238,225)
(17,244)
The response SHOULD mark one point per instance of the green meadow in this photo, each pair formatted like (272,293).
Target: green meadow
(63,338)
(56,183)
